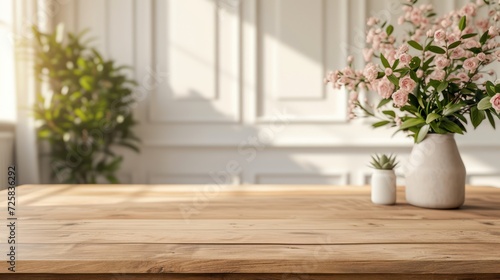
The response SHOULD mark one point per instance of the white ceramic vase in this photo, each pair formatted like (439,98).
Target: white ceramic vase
(383,187)
(435,173)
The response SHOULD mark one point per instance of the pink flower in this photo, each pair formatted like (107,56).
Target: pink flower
(457,53)
(471,64)
(469,9)
(463,77)
(495,101)
(370,72)
(372,21)
(445,23)
(492,31)
(452,38)
(354,96)
(367,54)
(438,74)
(405,59)
(420,73)
(403,49)
(401,20)
(442,61)
(400,98)
(497,55)
(416,16)
(483,24)
(388,71)
(469,44)
(407,84)
(440,35)
(481,56)
(398,121)
(385,88)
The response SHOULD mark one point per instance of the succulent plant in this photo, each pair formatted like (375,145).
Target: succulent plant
(383,162)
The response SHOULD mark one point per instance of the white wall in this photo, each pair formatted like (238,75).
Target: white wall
(228,84)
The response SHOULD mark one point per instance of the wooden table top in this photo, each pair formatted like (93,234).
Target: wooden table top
(246,232)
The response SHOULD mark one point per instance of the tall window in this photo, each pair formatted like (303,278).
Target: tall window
(7,90)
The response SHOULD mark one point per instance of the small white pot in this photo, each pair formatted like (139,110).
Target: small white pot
(384,187)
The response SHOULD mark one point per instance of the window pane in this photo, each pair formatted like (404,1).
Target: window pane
(7,95)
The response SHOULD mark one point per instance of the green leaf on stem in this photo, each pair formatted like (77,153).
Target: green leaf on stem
(490,89)
(436,49)
(442,86)
(450,109)
(422,133)
(389,113)
(389,30)
(476,116)
(415,45)
(462,23)
(393,80)
(484,38)
(413,76)
(467,36)
(435,127)
(384,61)
(485,103)
(411,122)
(432,117)
(451,126)
(415,63)
(491,119)
(379,124)
(454,45)
(396,63)
(428,62)
(383,102)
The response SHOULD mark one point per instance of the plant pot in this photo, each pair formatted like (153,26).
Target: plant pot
(383,189)
(435,173)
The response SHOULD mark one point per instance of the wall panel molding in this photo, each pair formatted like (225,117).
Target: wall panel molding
(196,75)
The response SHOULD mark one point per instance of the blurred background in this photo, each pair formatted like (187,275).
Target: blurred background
(228,91)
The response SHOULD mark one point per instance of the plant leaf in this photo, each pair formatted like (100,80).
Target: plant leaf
(451,126)
(484,104)
(432,117)
(389,30)
(467,36)
(490,88)
(383,102)
(491,119)
(389,113)
(436,49)
(422,133)
(442,86)
(450,109)
(393,80)
(454,45)
(476,116)
(384,61)
(379,124)
(484,37)
(415,62)
(411,123)
(462,23)
(415,45)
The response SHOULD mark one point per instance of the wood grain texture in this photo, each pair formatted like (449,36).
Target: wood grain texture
(247,232)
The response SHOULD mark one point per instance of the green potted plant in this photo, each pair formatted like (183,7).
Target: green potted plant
(87,110)
(431,80)
(383,181)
